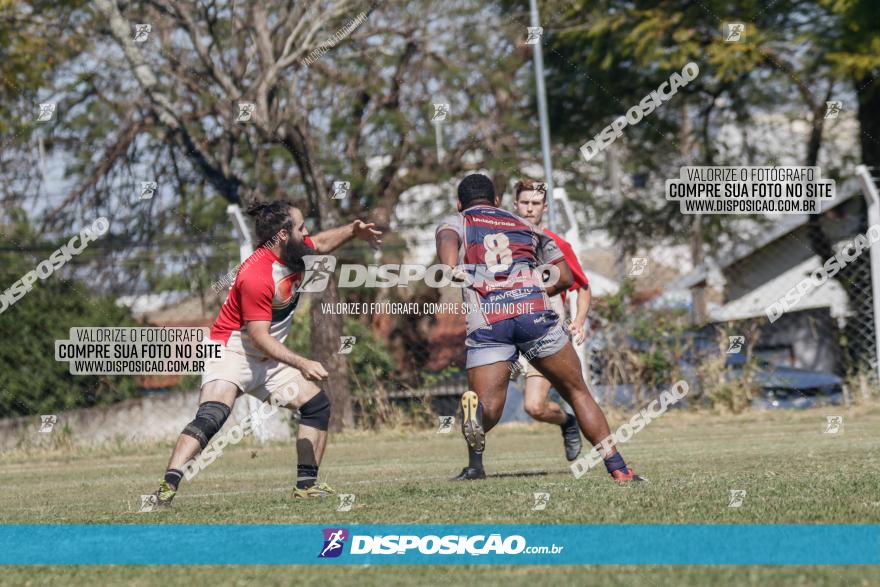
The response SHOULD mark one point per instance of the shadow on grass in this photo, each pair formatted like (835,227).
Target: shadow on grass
(520,474)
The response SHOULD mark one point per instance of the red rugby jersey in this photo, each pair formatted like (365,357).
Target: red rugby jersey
(264,289)
(571,259)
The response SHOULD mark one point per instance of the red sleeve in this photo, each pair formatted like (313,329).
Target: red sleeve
(580,278)
(257,291)
(577,272)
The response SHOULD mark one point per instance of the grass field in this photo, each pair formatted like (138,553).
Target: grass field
(791,471)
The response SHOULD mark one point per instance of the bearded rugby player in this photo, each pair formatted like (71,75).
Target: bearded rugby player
(497,253)
(251,329)
(530,202)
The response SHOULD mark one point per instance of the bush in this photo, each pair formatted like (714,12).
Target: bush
(33,382)
(641,346)
(650,349)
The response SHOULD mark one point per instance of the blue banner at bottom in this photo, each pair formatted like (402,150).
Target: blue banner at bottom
(441,544)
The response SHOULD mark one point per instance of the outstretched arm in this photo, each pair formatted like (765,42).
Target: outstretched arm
(333,238)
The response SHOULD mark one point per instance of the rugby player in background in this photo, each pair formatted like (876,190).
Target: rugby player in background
(530,202)
(252,326)
(496,252)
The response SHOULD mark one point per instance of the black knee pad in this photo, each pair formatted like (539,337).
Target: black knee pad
(209,420)
(316,412)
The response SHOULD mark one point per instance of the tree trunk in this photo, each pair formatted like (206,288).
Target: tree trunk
(819,241)
(868,94)
(326,330)
(699,312)
(698,257)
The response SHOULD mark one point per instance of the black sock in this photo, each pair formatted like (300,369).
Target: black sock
(570,420)
(475,459)
(306,476)
(615,462)
(173,478)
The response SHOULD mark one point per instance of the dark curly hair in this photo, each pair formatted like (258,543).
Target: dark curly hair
(270,218)
(476,188)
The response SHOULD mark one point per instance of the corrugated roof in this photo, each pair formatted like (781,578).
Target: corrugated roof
(742,250)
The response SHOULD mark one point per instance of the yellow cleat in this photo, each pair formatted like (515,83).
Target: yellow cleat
(316,490)
(164,495)
(471,421)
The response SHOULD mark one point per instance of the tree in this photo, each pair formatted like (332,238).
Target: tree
(856,58)
(342,90)
(628,49)
(37,40)
(623,52)
(33,381)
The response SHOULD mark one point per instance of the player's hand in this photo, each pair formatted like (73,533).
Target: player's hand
(459,274)
(577,332)
(366,231)
(312,370)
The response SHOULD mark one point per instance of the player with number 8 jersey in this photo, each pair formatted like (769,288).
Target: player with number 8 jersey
(502,255)
(502,258)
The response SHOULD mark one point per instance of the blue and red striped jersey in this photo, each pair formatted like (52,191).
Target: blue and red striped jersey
(500,251)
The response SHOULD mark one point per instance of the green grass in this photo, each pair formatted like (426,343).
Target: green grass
(270,576)
(791,471)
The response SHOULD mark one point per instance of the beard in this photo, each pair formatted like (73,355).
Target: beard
(292,253)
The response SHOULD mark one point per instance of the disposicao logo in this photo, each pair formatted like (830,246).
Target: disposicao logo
(334,540)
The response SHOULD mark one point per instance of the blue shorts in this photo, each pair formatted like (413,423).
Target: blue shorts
(536,335)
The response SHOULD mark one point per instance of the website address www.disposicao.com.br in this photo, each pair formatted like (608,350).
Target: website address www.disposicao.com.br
(335,540)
